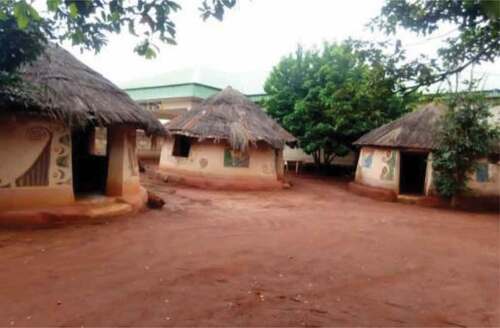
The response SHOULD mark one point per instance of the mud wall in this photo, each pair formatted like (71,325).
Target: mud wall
(484,181)
(379,168)
(123,169)
(209,159)
(35,166)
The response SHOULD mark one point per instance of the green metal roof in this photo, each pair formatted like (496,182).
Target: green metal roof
(199,83)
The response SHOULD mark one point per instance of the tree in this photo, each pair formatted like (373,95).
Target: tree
(328,98)
(478,39)
(87,23)
(463,136)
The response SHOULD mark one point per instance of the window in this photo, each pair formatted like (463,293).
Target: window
(182,146)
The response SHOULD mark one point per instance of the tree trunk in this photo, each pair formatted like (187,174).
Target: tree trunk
(317,159)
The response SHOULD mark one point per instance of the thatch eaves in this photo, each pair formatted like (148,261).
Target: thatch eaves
(414,130)
(230,115)
(58,86)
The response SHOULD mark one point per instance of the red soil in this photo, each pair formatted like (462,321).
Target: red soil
(313,255)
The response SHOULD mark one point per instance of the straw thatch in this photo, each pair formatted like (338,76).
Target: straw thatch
(416,130)
(229,115)
(413,130)
(58,86)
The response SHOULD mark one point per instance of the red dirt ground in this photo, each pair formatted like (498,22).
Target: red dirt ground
(314,255)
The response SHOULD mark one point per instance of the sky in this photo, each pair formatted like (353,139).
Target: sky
(254,36)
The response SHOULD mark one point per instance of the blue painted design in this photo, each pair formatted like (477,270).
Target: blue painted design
(367,160)
(482,174)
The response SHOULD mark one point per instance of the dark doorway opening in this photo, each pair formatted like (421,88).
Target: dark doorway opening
(182,146)
(90,171)
(412,173)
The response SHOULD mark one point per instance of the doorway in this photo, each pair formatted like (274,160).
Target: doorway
(412,173)
(90,170)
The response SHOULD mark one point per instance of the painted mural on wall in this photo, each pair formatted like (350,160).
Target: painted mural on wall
(235,158)
(482,172)
(389,168)
(63,174)
(35,155)
(367,159)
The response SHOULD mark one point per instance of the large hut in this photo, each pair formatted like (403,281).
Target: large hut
(226,141)
(396,159)
(47,136)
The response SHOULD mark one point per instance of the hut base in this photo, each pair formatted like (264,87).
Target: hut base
(471,203)
(373,192)
(85,209)
(193,179)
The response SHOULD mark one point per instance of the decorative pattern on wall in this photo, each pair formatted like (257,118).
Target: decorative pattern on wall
(63,159)
(388,170)
(38,173)
(203,163)
(234,158)
(367,159)
(482,172)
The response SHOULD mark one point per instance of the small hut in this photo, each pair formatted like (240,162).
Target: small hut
(227,141)
(47,135)
(396,159)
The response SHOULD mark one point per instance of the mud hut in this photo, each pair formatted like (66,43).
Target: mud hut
(226,141)
(395,159)
(47,127)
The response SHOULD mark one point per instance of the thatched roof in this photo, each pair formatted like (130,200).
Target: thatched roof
(229,115)
(414,130)
(59,86)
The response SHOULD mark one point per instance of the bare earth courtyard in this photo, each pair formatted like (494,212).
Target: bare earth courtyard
(314,255)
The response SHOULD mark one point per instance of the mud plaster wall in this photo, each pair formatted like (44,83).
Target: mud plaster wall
(378,168)
(35,166)
(123,169)
(207,159)
(374,170)
(484,181)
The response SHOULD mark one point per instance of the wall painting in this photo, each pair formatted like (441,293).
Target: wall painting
(235,158)
(367,159)
(482,172)
(389,169)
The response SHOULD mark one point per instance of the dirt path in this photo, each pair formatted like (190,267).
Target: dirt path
(314,255)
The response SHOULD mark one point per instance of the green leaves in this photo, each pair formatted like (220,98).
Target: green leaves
(473,37)
(52,5)
(463,136)
(329,97)
(24,13)
(88,23)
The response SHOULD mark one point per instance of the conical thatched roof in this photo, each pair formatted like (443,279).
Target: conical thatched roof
(59,86)
(413,130)
(229,115)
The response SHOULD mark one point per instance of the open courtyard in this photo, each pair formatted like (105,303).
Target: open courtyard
(313,255)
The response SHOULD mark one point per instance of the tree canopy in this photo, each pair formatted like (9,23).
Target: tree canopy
(477,37)
(328,98)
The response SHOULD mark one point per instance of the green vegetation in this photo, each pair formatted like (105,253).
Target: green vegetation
(87,23)
(328,98)
(475,26)
(463,136)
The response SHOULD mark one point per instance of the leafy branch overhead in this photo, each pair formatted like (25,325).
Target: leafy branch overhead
(87,23)
(475,37)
